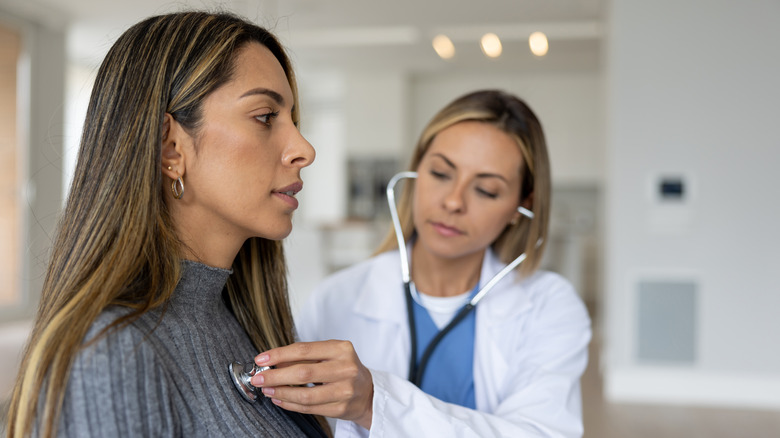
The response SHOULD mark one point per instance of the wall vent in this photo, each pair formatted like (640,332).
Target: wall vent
(667,321)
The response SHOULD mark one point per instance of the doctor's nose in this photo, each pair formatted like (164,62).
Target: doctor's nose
(455,201)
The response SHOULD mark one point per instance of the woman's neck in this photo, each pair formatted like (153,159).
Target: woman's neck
(211,249)
(444,277)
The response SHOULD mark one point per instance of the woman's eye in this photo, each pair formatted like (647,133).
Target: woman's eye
(438,175)
(487,194)
(267,117)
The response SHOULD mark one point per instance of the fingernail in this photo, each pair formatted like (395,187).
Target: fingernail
(276,401)
(258,380)
(261,359)
(268,391)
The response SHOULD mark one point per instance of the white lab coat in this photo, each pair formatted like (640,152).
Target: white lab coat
(530,351)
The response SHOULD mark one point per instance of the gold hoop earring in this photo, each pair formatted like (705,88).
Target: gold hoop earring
(178,192)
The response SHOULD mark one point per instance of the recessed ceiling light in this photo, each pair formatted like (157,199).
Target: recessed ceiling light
(443,46)
(538,43)
(491,45)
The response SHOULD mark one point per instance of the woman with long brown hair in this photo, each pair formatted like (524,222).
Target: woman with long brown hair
(167,264)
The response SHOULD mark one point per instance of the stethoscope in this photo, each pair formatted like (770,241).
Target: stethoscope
(416,370)
(241,375)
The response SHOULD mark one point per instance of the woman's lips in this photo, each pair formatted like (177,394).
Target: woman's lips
(289,199)
(287,194)
(446,230)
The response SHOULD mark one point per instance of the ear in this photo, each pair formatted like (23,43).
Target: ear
(527,203)
(173,156)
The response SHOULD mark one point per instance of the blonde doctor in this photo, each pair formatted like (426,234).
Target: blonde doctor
(511,366)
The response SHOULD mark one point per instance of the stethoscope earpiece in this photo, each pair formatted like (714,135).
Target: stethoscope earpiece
(242,373)
(525,212)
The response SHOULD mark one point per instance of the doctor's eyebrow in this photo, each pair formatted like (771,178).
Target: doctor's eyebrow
(479,175)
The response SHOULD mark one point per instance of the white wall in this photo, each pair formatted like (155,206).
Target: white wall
(347,114)
(323,199)
(693,91)
(376,105)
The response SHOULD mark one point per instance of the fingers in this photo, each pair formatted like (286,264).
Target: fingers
(323,399)
(305,351)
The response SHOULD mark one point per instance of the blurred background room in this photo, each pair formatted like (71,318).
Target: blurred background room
(659,116)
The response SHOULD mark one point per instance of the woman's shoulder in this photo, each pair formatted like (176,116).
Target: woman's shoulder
(115,339)
(108,322)
(112,344)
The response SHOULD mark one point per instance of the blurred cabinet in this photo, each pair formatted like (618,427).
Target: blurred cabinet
(574,247)
(367,180)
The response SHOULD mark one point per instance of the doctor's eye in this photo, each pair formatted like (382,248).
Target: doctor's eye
(486,193)
(439,175)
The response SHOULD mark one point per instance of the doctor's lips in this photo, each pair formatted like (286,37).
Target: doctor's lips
(446,230)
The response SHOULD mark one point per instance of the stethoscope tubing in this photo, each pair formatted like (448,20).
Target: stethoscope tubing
(399,234)
(416,370)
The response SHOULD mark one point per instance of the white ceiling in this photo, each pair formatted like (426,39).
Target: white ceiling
(360,33)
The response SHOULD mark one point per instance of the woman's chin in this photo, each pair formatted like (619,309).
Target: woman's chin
(276,234)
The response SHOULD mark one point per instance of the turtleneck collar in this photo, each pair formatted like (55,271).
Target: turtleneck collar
(200,285)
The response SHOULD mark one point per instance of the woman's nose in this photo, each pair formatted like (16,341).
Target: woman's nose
(300,152)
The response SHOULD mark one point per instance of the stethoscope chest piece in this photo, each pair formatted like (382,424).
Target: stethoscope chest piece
(242,373)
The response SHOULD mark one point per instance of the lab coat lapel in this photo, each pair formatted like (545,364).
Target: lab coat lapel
(497,314)
(508,299)
(382,293)
(382,304)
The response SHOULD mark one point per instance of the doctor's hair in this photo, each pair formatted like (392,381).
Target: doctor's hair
(515,118)
(116,244)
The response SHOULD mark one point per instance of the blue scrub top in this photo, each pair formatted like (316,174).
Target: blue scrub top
(449,375)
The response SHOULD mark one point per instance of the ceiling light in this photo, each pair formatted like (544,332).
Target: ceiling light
(491,45)
(443,46)
(538,43)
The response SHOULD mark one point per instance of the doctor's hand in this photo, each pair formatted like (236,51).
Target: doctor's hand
(343,387)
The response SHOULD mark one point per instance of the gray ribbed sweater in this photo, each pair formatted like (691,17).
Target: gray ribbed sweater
(171,379)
